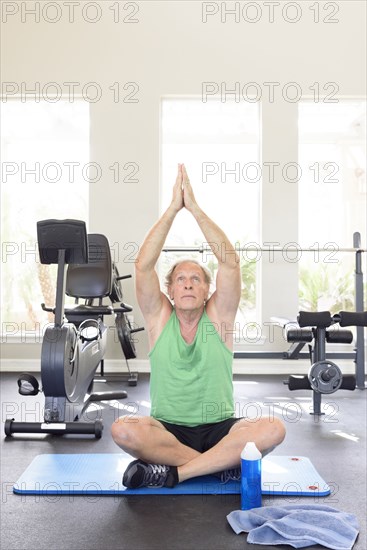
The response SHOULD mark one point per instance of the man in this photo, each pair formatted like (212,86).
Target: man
(192,430)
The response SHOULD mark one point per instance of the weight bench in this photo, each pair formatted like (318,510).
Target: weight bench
(324,375)
(297,344)
(298,337)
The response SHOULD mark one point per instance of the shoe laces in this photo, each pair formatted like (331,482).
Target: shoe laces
(155,475)
(233,474)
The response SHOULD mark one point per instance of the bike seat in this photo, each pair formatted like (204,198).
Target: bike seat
(88,310)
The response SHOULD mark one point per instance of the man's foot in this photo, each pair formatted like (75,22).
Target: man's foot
(140,474)
(234,474)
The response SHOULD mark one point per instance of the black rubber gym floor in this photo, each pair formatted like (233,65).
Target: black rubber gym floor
(336,445)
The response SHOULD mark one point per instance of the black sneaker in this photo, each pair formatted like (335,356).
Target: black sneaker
(140,474)
(234,474)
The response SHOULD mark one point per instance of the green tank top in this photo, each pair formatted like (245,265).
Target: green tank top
(191,384)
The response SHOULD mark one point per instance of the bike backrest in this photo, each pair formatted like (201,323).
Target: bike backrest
(94,279)
(68,235)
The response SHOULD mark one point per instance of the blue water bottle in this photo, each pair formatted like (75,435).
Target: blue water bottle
(250,477)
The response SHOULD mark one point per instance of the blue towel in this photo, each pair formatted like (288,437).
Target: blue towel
(297,525)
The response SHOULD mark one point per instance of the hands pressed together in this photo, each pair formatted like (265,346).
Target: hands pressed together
(183,195)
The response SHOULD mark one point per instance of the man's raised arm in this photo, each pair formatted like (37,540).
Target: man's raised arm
(148,290)
(228,282)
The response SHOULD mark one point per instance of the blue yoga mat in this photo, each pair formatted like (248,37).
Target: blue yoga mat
(101,474)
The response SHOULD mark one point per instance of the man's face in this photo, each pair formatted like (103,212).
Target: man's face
(189,289)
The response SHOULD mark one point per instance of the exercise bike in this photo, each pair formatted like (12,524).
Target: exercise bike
(124,330)
(324,376)
(73,348)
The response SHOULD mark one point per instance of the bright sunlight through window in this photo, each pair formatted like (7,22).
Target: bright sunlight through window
(332,200)
(45,153)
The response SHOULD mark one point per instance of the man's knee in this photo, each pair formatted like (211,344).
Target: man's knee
(127,434)
(278,429)
(272,430)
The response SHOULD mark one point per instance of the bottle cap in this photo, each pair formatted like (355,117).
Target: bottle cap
(251,452)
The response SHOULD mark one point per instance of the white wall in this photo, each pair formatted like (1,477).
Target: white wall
(169,50)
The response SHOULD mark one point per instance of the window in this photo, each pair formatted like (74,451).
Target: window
(332,200)
(219,145)
(45,153)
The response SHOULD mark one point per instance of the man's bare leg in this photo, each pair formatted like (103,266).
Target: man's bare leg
(146,438)
(266,433)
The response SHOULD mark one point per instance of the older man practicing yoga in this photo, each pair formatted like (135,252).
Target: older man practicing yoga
(192,430)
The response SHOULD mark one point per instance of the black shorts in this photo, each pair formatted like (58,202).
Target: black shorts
(203,437)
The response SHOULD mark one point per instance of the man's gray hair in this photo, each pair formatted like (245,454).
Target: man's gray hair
(206,272)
